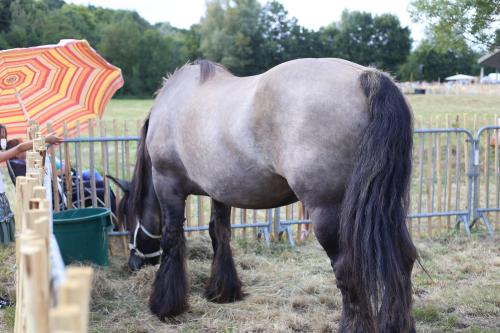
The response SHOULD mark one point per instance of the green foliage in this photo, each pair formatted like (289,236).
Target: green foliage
(230,34)
(427,314)
(449,21)
(243,35)
(368,40)
(10,316)
(429,63)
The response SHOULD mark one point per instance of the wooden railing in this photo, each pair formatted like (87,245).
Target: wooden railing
(35,301)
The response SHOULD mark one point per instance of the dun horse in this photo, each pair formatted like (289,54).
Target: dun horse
(336,135)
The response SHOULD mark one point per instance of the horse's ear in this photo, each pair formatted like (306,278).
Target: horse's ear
(122,184)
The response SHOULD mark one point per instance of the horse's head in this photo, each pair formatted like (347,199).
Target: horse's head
(140,213)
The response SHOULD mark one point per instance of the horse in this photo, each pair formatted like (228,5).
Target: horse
(331,133)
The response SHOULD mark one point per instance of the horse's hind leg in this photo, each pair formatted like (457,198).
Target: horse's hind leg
(224,285)
(169,294)
(326,223)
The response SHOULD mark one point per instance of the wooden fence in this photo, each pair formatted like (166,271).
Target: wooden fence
(36,309)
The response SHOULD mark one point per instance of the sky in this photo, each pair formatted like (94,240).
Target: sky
(311,14)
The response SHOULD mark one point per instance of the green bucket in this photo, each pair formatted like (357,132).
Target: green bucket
(82,234)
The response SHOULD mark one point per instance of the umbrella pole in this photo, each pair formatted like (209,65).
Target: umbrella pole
(20,100)
(32,136)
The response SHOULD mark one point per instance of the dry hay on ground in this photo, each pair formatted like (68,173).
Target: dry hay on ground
(295,291)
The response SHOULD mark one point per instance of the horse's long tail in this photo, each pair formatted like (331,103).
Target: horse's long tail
(374,237)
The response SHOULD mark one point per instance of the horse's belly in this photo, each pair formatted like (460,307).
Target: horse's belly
(249,190)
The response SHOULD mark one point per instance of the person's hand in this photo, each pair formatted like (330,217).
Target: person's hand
(25,146)
(53,139)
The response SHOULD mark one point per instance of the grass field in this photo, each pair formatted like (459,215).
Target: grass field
(424,106)
(295,291)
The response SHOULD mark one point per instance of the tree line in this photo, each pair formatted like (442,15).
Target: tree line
(245,36)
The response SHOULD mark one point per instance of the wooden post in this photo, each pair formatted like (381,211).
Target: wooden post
(80,167)
(36,284)
(276,224)
(117,158)
(65,319)
(67,170)
(439,175)
(486,169)
(244,221)
(92,166)
(466,147)
(448,178)
(474,124)
(200,210)
(121,224)
(422,160)
(53,169)
(189,221)
(233,221)
(76,291)
(254,219)
(104,149)
(430,180)
(497,170)
(127,152)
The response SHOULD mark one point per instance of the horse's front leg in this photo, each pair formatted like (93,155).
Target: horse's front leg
(169,294)
(224,284)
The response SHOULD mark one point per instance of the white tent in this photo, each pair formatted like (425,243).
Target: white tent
(460,77)
(491,78)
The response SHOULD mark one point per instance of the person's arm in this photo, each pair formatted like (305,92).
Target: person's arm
(11,153)
(53,139)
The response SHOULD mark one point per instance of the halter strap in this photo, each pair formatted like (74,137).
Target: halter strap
(133,246)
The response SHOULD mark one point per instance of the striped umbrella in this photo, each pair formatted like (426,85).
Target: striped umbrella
(54,84)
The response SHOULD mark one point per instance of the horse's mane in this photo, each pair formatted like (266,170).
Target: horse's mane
(142,170)
(207,69)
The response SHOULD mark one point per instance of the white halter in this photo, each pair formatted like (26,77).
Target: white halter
(133,246)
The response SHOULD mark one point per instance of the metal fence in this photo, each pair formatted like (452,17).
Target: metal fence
(455,183)
(486,176)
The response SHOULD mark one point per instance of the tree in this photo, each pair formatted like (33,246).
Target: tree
(328,37)
(27,20)
(392,42)
(276,29)
(191,43)
(430,63)
(379,41)
(54,4)
(213,36)
(70,22)
(119,44)
(449,21)
(5,15)
(230,34)
(158,55)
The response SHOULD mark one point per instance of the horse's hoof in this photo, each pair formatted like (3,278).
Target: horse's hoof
(224,294)
(164,311)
